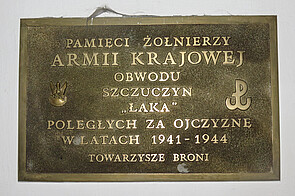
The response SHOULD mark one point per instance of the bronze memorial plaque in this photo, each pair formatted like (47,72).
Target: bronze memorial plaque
(149,99)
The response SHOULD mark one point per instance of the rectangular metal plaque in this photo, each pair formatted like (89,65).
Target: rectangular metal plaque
(149,99)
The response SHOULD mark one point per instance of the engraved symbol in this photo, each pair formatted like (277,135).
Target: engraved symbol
(241,89)
(57,97)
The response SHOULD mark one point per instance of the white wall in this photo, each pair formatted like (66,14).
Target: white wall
(12,10)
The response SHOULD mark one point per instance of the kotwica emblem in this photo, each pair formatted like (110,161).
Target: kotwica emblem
(241,89)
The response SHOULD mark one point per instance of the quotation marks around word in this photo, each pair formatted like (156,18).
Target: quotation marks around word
(174,103)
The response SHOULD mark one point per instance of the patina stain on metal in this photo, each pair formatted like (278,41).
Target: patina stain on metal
(149,99)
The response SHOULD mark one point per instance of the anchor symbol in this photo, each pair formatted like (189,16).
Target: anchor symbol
(241,89)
